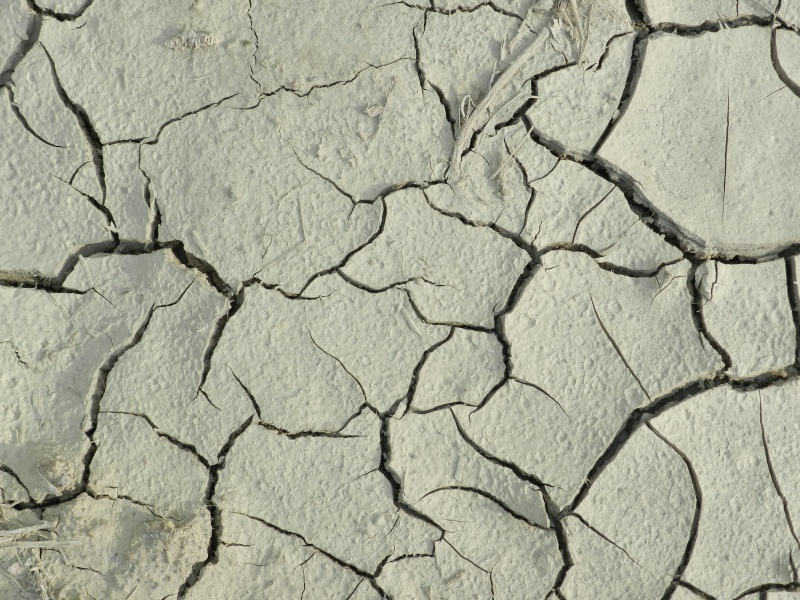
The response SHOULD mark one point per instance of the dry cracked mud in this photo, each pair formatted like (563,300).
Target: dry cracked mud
(401,299)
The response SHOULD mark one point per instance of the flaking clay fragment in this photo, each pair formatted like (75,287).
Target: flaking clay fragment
(450,463)
(399,300)
(622,238)
(191,40)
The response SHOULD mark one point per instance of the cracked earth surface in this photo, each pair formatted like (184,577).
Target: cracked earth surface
(423,299)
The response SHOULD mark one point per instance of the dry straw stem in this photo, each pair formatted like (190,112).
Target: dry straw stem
(479,117)
(567,12)
(9,537)
(14,538)
(36,587)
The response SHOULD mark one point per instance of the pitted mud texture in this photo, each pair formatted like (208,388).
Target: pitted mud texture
(413,299)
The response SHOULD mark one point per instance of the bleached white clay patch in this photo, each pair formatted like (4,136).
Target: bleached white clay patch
(160,552)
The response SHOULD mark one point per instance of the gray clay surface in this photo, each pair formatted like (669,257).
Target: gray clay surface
(399,299)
